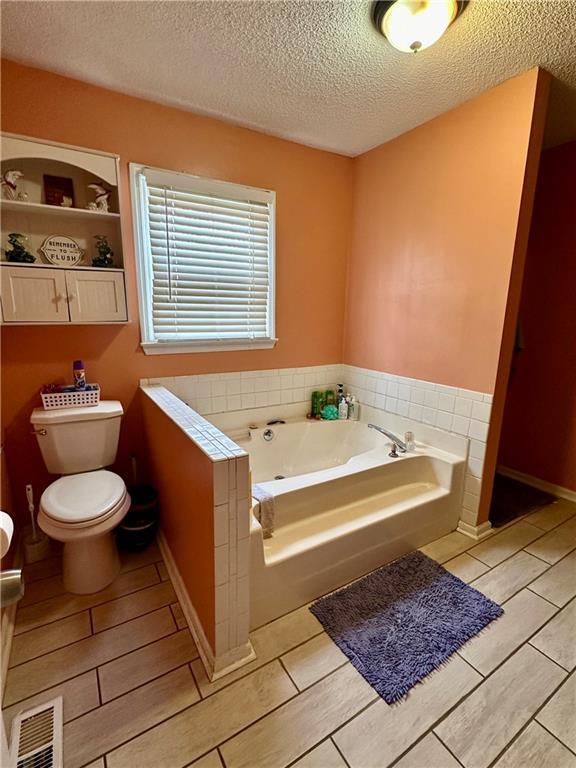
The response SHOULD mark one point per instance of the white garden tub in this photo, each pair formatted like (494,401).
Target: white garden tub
(342,508)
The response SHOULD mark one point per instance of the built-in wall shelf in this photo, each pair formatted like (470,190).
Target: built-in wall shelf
(62,285)
(3,263)
(20,206)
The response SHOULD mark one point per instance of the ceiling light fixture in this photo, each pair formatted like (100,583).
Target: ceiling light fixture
(412,25)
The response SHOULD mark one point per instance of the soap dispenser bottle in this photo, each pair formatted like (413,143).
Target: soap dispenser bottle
(353,408)
(341,403)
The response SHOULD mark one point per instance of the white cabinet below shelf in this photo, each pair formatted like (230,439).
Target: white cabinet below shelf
(46,296)
(34,295)
(96,296)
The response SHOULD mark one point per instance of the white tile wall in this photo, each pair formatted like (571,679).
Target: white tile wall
(242,390)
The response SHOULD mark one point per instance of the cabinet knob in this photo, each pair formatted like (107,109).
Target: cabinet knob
(71,297)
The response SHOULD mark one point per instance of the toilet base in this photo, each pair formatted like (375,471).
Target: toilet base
(90,564)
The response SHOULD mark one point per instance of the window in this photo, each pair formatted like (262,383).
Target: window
(205,252)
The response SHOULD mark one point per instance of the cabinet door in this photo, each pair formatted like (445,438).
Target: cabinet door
(96,297)
(33,295)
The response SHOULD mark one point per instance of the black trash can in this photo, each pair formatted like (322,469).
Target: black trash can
(138,529)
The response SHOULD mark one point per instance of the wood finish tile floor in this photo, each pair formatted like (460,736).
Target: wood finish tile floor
(136,695)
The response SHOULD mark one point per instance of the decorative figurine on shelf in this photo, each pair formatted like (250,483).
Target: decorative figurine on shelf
(9,183)
(66,202)
(105,253)
(102,198)
(19,253)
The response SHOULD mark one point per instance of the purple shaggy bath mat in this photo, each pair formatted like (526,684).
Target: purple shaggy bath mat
(402,621)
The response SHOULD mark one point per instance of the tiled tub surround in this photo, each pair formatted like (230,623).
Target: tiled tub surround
(421,405)
(244,390)
(449,409)
(202,477)
(344,508)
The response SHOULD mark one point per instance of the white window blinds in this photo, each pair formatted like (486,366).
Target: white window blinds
(208,251)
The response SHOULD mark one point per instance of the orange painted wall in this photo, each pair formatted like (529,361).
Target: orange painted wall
(434,228)
(433,218)
(514,291)
(313,222)
(539,429)
(183,475)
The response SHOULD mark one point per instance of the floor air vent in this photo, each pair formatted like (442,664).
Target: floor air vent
(37,737)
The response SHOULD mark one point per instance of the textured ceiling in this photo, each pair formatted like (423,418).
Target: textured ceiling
(314,71)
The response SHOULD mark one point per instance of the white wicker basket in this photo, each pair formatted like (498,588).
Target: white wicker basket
(80,398)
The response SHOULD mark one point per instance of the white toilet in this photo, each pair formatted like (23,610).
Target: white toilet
(82,507)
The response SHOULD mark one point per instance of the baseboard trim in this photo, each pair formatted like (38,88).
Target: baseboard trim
(535,482)
(215,666)
(7,624)
(232,660)
(476,532)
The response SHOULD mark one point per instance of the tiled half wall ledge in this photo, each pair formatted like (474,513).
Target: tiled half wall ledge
(438,408)
(203,479)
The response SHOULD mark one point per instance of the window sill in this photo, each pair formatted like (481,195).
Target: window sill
(186,347)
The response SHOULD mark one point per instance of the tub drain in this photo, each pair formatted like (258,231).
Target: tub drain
(279,477)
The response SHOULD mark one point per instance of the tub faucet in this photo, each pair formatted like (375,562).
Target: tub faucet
(396,440)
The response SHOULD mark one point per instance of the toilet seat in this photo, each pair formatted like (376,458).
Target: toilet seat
(86,499)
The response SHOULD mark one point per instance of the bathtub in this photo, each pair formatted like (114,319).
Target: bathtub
(342,507)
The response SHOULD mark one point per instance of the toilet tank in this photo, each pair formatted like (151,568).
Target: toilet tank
(78,439)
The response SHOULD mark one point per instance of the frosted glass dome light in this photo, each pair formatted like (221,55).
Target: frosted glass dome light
(412,25)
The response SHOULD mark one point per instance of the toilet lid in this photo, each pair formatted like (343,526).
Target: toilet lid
(84,497)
